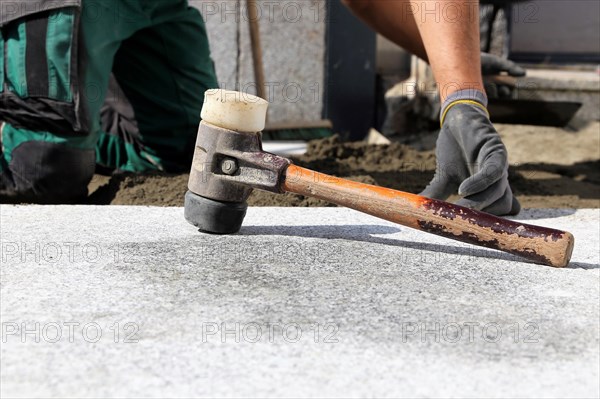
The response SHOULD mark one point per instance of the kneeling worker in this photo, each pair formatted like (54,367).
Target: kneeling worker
(120,84)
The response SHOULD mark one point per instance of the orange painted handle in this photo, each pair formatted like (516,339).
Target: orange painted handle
(539,244)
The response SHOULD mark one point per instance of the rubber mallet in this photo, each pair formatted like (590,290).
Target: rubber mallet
(229,163)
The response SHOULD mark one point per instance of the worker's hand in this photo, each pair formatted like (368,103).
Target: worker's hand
(494,65)
(472,160)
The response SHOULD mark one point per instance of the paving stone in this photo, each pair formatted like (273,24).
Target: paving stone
(321,302)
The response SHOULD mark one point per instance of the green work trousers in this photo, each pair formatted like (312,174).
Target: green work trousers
(118,83)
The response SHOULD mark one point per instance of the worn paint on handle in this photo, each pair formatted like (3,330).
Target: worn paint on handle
(539,244)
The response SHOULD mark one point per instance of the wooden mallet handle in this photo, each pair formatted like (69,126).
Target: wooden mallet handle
(539,244)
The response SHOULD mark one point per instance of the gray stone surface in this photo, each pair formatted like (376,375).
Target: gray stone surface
(567,27)
(399,313)
(293,43)
(563,85)
(222,23)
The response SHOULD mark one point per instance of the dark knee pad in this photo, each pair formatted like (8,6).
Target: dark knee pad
(48,173)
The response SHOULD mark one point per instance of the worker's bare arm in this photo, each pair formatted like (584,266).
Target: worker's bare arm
(470,155)
(444,33)
(392,19)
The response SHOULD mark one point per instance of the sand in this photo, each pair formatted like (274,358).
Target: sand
(550,168)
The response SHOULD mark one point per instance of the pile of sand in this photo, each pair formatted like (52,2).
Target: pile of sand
(550,168)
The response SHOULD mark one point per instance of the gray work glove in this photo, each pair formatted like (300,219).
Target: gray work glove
(472,160)
(494,65)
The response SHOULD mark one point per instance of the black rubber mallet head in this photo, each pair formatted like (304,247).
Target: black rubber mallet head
(229,162)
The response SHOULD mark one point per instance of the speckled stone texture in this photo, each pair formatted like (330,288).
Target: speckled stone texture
(557,85)
(293,45)
(321,302)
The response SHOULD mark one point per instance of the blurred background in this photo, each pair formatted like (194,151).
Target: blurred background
(321,62)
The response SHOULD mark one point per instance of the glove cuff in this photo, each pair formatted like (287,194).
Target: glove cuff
(468,96)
